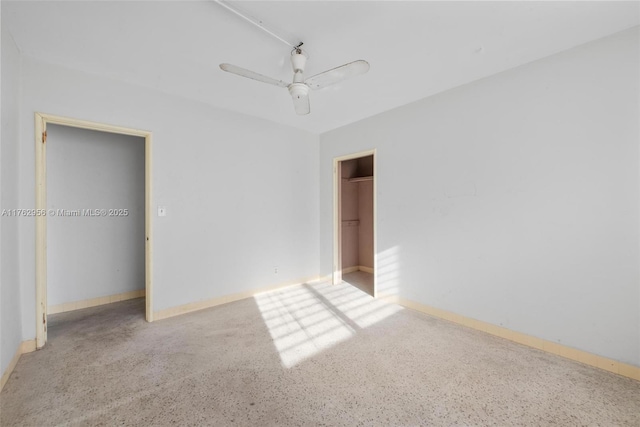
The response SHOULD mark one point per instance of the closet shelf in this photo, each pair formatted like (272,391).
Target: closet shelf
(360,179)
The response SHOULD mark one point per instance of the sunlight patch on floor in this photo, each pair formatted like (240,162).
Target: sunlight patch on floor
(307,319)
(363,309)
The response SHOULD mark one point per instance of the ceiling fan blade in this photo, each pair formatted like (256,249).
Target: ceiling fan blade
(234,69)
(301,103)
(337,74)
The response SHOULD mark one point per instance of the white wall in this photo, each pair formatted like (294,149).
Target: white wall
(94,256)
(514,199)
(241,193)
(10,316)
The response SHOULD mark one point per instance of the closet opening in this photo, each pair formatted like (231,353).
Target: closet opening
(354,254)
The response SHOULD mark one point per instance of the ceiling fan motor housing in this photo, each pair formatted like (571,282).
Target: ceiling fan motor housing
(298,90)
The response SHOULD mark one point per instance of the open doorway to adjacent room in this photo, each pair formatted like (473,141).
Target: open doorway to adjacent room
(354,214)
(93,243)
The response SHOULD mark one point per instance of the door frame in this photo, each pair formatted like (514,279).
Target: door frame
(41,121)
(337,215)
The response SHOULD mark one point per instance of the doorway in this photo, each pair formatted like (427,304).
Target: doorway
(87,217)
(355,221)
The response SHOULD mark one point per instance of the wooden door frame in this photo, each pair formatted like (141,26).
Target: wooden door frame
(41,121)
(337,216)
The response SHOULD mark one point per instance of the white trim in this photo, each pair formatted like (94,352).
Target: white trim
(94,302)
(366,269)
(148,226)
(201,305)
(348,270)
(337,220)
(41,233)
(41,121)
(581,356)
(337,235)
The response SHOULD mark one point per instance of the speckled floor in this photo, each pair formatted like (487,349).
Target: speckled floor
(304,355)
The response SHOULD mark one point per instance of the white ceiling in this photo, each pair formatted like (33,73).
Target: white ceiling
(415,49)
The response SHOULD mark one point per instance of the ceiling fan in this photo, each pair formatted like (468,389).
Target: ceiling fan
(299,88)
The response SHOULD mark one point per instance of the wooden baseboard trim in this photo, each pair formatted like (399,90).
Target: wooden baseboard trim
(590,359)
(357,268)
(201,305)
(24,347)
(320,279)
(93,302)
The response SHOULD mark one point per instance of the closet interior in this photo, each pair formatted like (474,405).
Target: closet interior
(357,228)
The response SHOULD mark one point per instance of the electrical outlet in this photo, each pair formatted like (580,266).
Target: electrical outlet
(275,270)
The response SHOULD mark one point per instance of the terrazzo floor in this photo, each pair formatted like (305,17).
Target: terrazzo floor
(303,355)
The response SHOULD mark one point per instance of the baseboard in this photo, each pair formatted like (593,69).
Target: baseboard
(357,268)
(24,347)
(201,305)
(326,278)
(590,359)
(77,305)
